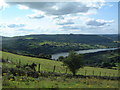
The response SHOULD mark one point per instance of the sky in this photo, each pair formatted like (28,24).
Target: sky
(24,18)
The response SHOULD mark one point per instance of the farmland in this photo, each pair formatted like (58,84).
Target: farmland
(34,45)
(54,81)
(47,65)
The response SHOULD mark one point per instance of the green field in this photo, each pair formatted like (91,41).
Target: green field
(48,65)
(51,81)
(58,82)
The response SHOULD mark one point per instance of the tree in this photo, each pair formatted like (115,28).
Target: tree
(74,61)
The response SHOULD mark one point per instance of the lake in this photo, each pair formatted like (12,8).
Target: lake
(57,55)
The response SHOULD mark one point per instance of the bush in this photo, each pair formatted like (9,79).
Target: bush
(74,61)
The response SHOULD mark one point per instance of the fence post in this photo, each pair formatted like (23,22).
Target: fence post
(34,66)
(93,72)
(85,72)
(100,74)
(66,70)
(39,68)
(19,62)
(54,68)
(19,67)
(7,59)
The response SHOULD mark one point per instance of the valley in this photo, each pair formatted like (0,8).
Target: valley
(37,61)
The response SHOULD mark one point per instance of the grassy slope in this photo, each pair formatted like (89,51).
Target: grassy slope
(47,65)
(54,82)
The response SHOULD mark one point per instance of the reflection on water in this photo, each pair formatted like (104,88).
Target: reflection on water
(56,56)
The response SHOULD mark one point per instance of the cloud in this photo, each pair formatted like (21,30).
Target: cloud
(22,7)
(15,25)
(12,24)
(3,5)
(70,27)
(65,22)
(33,16)
(37,15)
(58,17)
(71,19)
(62,8)
(2,26)
(13,32)
(25,29)
(99,22)
(87,24)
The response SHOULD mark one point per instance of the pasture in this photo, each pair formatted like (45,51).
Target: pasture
(48,65)
(58,82)
(10,81)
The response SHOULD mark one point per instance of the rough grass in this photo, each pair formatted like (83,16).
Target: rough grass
(58,82)
(0,82)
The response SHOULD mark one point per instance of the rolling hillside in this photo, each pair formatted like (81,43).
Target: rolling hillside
(70,38)
(114,37)
(49,44)
(16,79)
(48,65)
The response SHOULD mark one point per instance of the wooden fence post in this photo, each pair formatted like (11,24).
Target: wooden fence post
(100,74)
(19,62)
(19,67)
(7,59)
(93,72)
(66,70)
(54,68)
(85,72)
(33,66)
(39,68)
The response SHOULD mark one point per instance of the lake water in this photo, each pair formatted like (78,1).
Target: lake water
(57,55)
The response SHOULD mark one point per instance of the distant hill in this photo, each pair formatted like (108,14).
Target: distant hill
(110,58)
(73,38)
(114,37)
(48,44)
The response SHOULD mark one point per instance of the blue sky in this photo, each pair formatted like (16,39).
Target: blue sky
(19,19)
